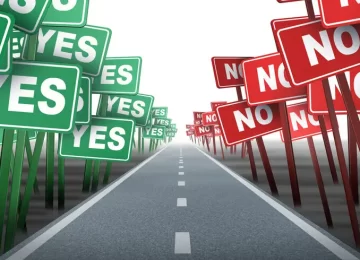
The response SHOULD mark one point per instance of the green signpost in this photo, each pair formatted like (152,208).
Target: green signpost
(32,135)
(160,112)
(39,96)
(105,139)
(86,46)
(67,13)
(119,76)
(83,115)
(28,14)
(17,43)
(155,132)
(136,107)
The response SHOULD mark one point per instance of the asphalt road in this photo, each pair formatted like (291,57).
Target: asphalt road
(159,210)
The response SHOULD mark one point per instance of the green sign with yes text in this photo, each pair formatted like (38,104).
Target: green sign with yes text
(119,76)
(159,112)
(105,139)
(28,14)
(155,132)
(70,13)
(39,96)
(83,115)
(162,122)
(86,46)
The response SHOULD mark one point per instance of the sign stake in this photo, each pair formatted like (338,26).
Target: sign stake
(87,175)
(15,191)
(139,139)
(207,143)
(107,173)
(328,150)
(61,182)
(31,179)
(95,179)
(213,139)
(222,148)
(49,181)
(320,182)
(29,158)
(353,165)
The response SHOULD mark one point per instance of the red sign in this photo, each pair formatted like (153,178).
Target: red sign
(311,52)
(210,118)
(316,95)
(201,130)
(302,124)
(191,127)
(214,105)
(287,1)
(239,122)
(336,13)
(197,122)
(228,71)
(266,82)
(189,133)
(217,131)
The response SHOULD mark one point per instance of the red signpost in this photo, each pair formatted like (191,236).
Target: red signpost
(240,123)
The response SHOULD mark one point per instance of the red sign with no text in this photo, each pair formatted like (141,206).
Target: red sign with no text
(335,13)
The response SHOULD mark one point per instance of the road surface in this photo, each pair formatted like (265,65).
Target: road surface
(181,204)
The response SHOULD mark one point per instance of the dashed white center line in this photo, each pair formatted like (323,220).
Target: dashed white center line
(181,202)
(181,162)
(180,167)
(181,173)
(182,243)
(181,183)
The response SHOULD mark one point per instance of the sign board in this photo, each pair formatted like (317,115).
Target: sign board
(162,122)
(86,46)
(228,71)
(71,13)
(209,118)
(119,76)
(214,105)
(32,135)
(316,96)
(28,14)
(137,108)
(107,139)
(84,105)
(40,96)
(189,132)
(197,116)
(287,1)
(155,132)
(240,123)
(159,112)
(302,124)
(170,134)
(197,122)
(311,52)
(266,82)
(339,13)
(201,130)
(217,130)
(6,26)
(191,127)
(17,43)
(173,126)
(6,59)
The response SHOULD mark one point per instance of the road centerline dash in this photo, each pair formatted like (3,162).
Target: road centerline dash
(181,202)
(181,173)
(181,183)
(182,243)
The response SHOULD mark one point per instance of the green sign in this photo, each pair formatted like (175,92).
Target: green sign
(155,132)
(119,76)
(39,96)
(170,134)
(6,26)
(159,112)
(70,13)
(28,14)
(105,139)
(172,126)
(32,135)
(86,46)
(162,122)
(136,107)
(6,59)
(171,130)
(83,115)
(17,43)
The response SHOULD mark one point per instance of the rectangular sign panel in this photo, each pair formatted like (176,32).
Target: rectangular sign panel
(119,76)
(107,139)
(162,122)
(84,106)
(316,95)
(86,46)
(228,71)
(71,13)
(240,123)
(191,127)
(214,105)
(217,130)
(40,96)
(201,130)
(311,52)
(17,43)
(155,132)
(159,112)
(189,132)
(336,13)
(197,116)
(209,118)
(135,107)
(302,124)
(266,82)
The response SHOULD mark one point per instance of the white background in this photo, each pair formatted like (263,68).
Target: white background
(176,40)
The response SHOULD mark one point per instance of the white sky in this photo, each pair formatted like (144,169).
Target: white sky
(176,40)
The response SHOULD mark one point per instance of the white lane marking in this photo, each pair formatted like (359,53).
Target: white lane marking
(181,202)
(180,162)
(326,241)
(38,241)
(181,183)
(182,243)
(180,157)
(180,167)
(181,173)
